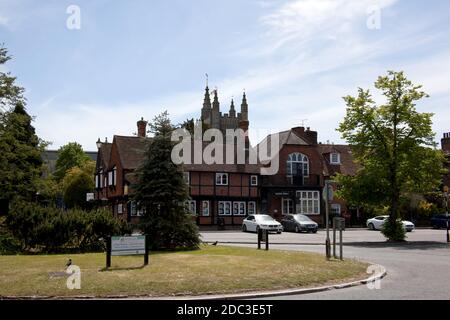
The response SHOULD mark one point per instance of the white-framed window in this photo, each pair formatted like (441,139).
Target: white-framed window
(191,206)
(308,202)
(335,158)
(186,177)
(114,176)
(253,180)
(105,180)
(134,211)
(97,182)
(239,208)
(297,164)
(110,177)
(224,208)
(335,209)
(251,207)
(205,208)
(287,206)
(120,208)
(222,179)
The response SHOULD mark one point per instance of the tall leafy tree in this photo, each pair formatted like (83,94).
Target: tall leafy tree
(20,147)
(162,193)
(69,156)
(76,183)
(394,143)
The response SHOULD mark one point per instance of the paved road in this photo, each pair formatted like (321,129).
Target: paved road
(419,269)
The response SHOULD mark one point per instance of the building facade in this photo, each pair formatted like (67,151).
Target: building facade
(227,193)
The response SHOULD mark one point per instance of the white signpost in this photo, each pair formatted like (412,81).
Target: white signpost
(125,246)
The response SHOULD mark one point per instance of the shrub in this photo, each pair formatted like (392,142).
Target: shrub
(51,229)
(394,231)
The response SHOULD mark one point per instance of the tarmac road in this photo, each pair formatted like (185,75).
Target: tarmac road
(419,269)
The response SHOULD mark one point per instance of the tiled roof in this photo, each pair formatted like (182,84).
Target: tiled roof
(131,150)
(348,166)
(285,137)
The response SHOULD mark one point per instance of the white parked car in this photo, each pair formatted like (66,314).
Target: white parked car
(376,223)
(255,222)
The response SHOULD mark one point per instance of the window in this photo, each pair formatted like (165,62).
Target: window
(308,202)
(224,208)
(251,207)
(134,211)
(205,208)
(191,206)
(97,182)
(186,177)
(287,206)
(335,209)
(253,180)
(297,164)
(112,176)
(335,158)
(120,208)
(221,179)
(239,208)
(100,179)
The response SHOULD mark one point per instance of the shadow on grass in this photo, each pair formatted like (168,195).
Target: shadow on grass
(122,268)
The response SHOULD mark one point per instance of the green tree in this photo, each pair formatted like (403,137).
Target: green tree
(20,156)
(394,144)
(69,156)
(76,183)
(162,193)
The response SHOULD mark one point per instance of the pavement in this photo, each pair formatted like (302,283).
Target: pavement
(418,269)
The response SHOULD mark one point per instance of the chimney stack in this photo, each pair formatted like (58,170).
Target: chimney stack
(142,128)
(445,142)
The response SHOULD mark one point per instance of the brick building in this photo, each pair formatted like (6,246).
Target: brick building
(232,191)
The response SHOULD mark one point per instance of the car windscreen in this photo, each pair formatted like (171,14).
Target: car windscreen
(301,218)
(265,219)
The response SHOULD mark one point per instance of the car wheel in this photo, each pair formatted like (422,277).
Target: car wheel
(244,228)
(315,231)
(257,229)
(371,227)
(297,230)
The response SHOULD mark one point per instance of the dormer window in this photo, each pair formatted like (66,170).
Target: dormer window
(335,158)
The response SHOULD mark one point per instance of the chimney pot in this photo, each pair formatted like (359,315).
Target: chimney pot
(142,128)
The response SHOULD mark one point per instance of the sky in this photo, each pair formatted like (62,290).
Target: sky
(94,74)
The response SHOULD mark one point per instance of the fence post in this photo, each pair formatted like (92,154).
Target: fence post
(108,252)
(146,251)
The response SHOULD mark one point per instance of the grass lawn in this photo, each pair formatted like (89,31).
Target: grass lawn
(208,270)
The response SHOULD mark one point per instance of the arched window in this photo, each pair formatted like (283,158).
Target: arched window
(297,164)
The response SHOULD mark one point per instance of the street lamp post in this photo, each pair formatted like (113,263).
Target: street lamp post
(446,211)
(328,196)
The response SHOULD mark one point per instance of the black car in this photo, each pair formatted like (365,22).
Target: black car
(439,221)
(298,223)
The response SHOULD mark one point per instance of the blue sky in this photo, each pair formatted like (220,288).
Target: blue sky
(295,59)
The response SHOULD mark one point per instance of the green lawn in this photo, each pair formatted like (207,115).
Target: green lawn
(208,270)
